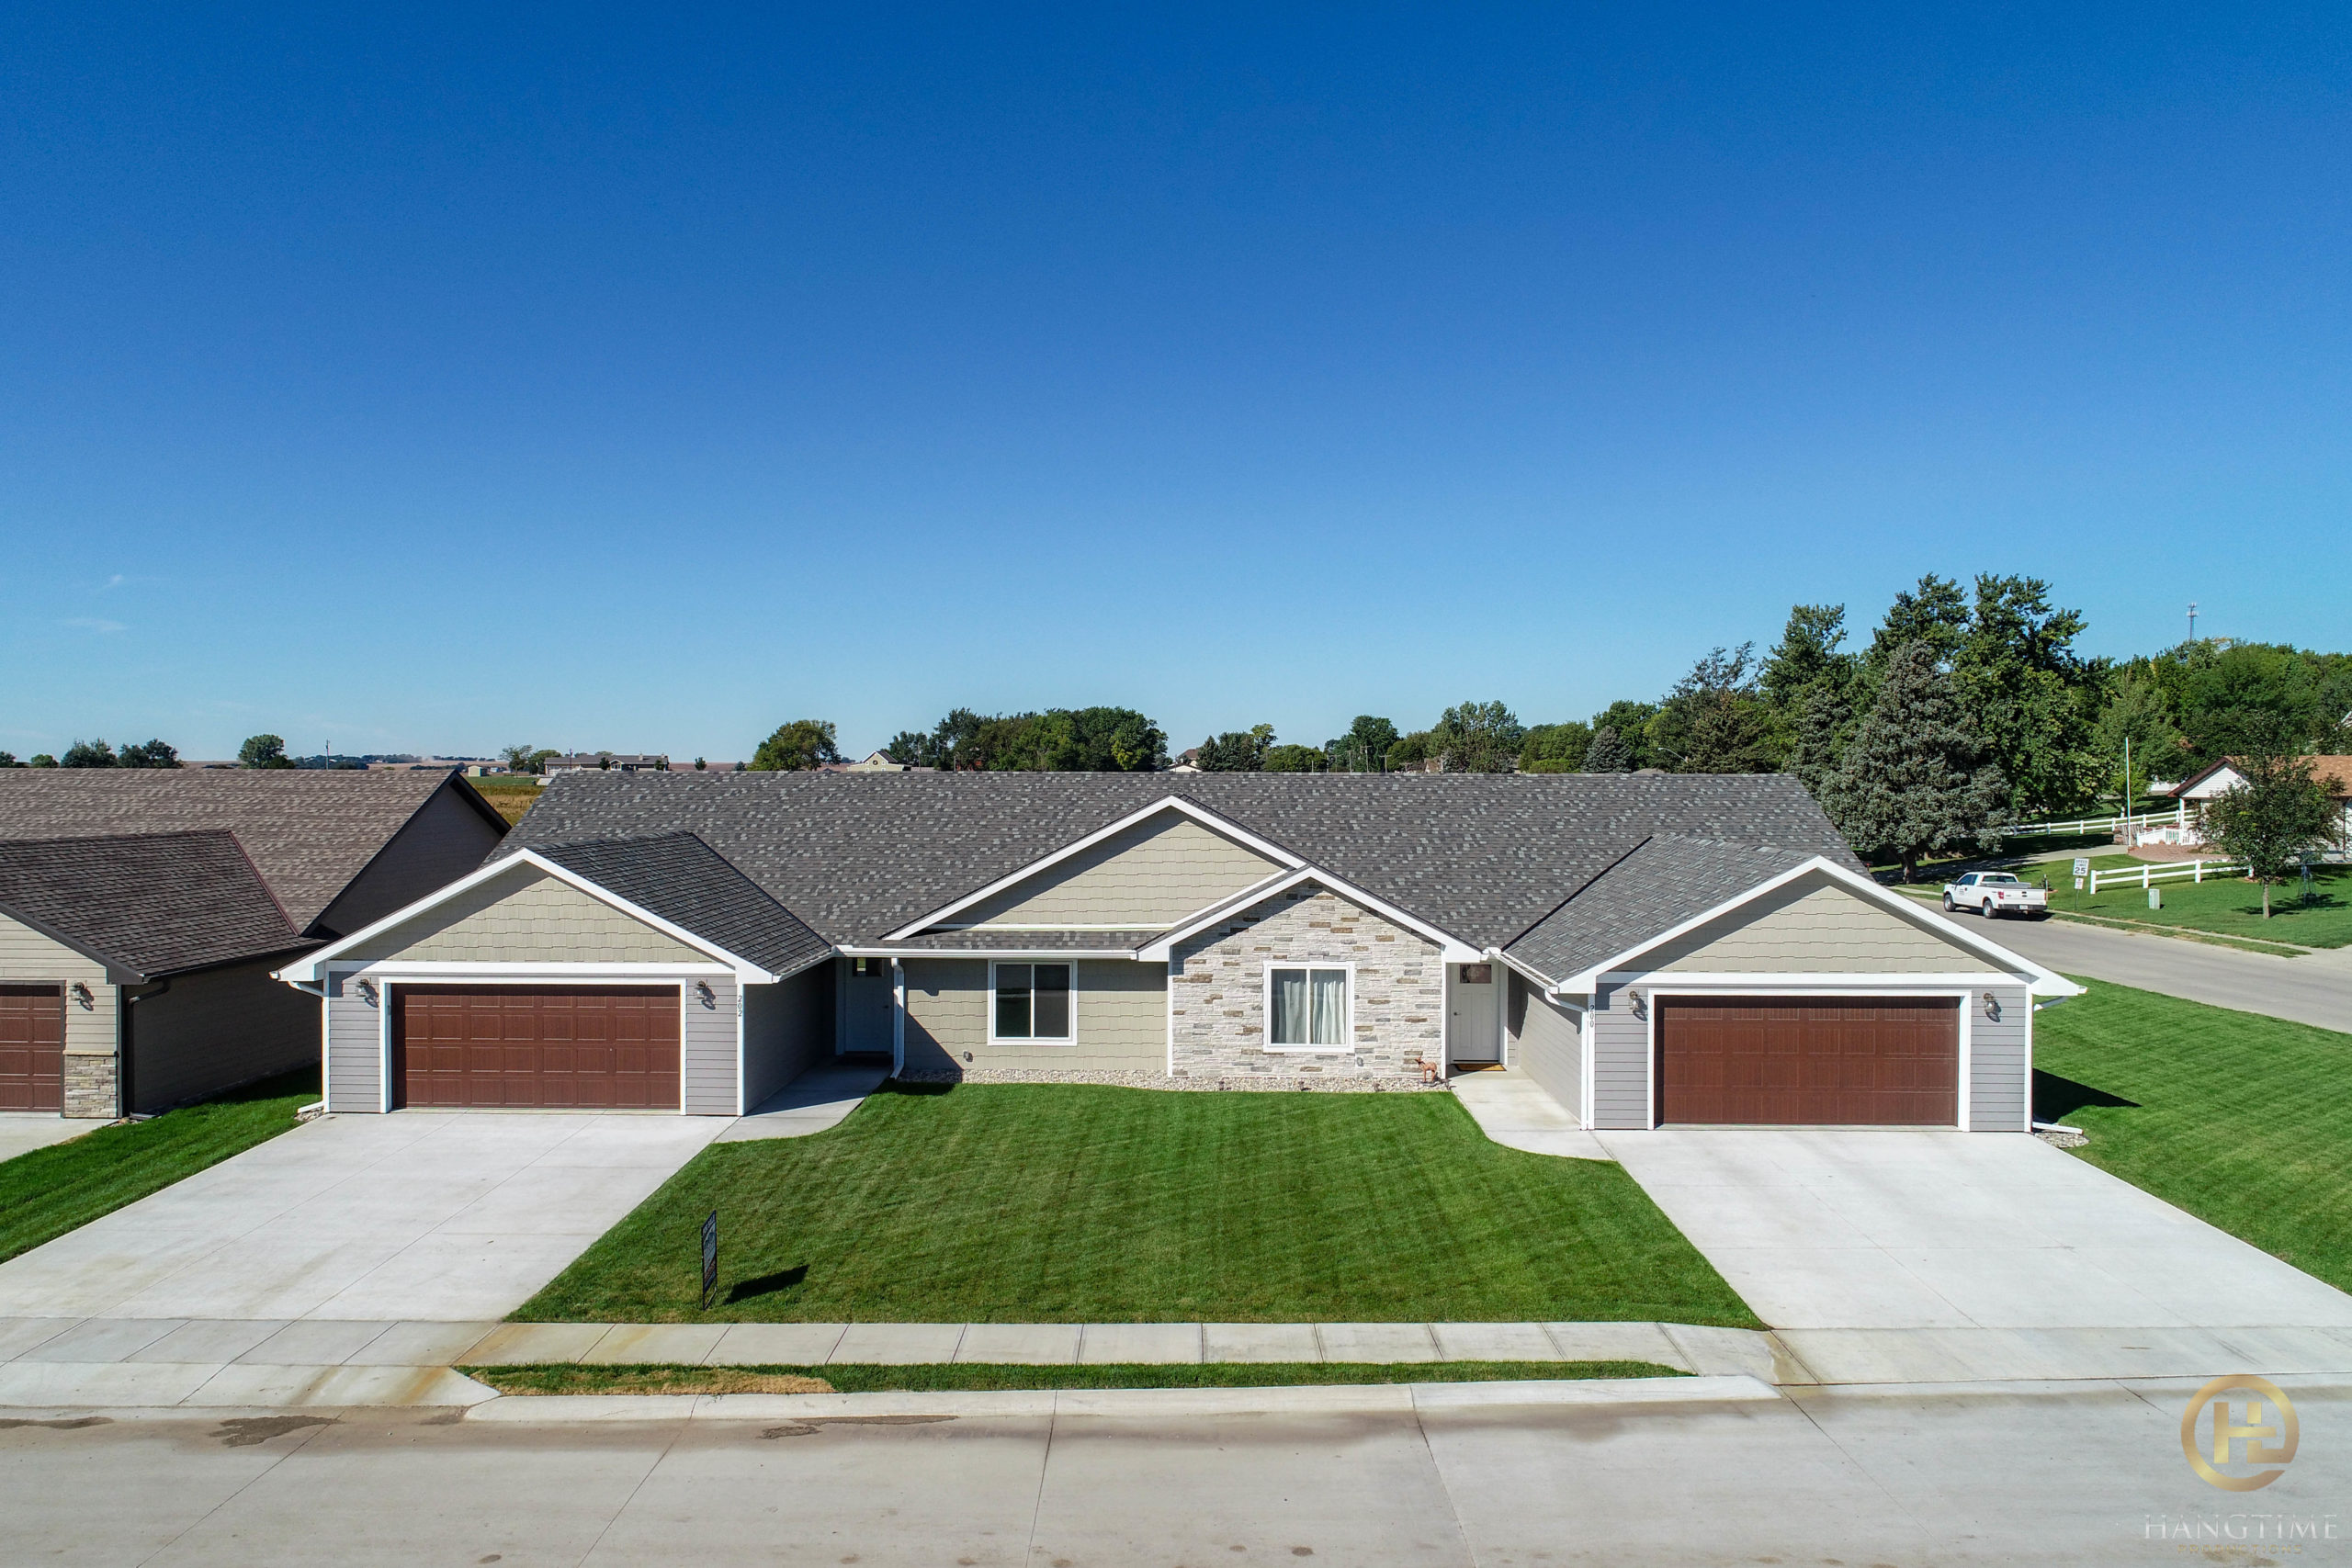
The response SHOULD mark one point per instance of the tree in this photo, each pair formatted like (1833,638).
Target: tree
(1631,721)
(1478,738)
(701,766)
(911,747)
(1095,739)
(42,759)
(797,747)
(1409,753)
(2028,696)
(2135,724)
(1555,748)
(1914,780)
(8,760)
(1936,613)
(263,752)
(524,759)
(1237,751)
(1820,739)
(1608,754)
(151,754)
(1715,721)
(88,754)
(1806,659)
(2268,821)
(1364,748)
(1297,760)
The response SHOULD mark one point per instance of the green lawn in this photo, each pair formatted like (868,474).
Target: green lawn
(2226,906)
(2241,1120)
(935,1377)
(1053,1203)
(50,1191)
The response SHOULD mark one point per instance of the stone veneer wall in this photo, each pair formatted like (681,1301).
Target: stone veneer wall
(1217,994)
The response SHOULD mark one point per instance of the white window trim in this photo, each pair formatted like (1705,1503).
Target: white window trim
(1266,1006)
(1054,1042)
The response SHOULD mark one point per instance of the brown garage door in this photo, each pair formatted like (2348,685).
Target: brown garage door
(32,1048)
(1786,1062)
(556,1047)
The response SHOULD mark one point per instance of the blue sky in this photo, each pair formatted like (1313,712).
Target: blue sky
(439,379)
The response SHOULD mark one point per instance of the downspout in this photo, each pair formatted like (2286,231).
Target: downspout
(897,1018)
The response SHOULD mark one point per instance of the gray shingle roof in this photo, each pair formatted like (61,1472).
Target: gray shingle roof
(308,832)
(1655,886)
(1485,857)
(681,879)
(1022,941)
(146,904)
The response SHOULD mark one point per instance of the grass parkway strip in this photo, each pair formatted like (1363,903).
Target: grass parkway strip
(2239,1119)
(50,1191)
(1058,1203)
(937,1378)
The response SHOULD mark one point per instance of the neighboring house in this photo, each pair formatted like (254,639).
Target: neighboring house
(1661,948)
(142,911)
(605,762)
(2218,779)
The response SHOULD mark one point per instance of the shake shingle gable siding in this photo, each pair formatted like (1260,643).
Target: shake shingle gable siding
(685,882)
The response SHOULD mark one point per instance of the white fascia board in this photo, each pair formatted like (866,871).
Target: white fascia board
(1016,956)
(1205,818)
(2044,982)
(532,969)
(1457,950)
(313,967)
(1872,981)
(1541,981)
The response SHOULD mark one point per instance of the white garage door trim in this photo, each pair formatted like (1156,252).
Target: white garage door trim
(1773,986)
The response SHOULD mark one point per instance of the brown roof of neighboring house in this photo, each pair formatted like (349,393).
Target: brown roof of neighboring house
(308,832)
(146,904)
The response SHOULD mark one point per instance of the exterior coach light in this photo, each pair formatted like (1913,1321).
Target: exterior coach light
(368,992)
(81,994)
(1641,1005)
(704,994)
(1992,1007)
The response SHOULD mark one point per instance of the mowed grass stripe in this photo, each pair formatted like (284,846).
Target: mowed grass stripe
(2241,1120)
(1054,1203)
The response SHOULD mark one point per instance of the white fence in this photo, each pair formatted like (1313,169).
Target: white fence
(2156,875)
(2126,823)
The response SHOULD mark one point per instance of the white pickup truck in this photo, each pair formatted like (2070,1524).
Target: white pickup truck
(1995,893)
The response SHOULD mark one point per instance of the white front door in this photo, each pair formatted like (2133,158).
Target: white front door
(1473,1015)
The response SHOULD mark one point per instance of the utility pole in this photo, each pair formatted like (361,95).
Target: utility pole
(2192,620)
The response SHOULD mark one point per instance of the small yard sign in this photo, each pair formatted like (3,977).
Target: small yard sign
(709,1258)
(2082,866)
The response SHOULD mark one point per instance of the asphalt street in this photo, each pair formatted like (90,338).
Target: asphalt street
(2089,1473)
(2313,988)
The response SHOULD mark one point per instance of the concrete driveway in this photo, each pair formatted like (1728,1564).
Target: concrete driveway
(1937,1230)
(420,1215)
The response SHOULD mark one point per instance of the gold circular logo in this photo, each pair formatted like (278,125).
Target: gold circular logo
(2265,1435)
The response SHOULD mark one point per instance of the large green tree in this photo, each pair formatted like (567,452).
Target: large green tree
(1364,748)
(263,752)
(1935,613)
(1095,739)
(1631,721)
(1238,750)
(88,754)
(2135,729)
(2028,695)
(1477,737)
(1297,760)
(1608,754)
(2270,819)
(798,747)
(1555,748)
(1715,720)
(1914,780)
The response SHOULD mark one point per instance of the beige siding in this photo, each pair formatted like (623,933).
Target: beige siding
(213,1031)
(1120,1019)
(1149,877)
(526,916)
(27,957)
(445,840)
(1813,926)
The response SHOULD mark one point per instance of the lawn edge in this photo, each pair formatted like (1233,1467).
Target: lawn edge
(566,1379)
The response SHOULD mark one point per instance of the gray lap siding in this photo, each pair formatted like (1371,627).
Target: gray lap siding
(1547,1044)
(788,1028)
(216,1029)
(354,1049)
(707,1047)
(1999,1073)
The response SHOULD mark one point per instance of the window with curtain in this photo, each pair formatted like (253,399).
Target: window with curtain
(1309,1007)
(1032,1001)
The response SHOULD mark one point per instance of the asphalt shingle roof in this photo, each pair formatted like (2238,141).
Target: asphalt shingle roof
(1655,886)
(149,904)
(681,879)
(1485,857)
(308,832)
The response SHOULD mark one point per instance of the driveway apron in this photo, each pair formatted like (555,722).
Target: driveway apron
(436,1216)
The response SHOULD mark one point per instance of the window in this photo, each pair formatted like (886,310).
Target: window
(1031,1001)
(1306,1010)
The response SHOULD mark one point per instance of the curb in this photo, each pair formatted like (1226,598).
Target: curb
(1331,1399)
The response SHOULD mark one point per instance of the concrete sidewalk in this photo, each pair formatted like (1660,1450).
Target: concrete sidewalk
(816,1101)
(1516,1111)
